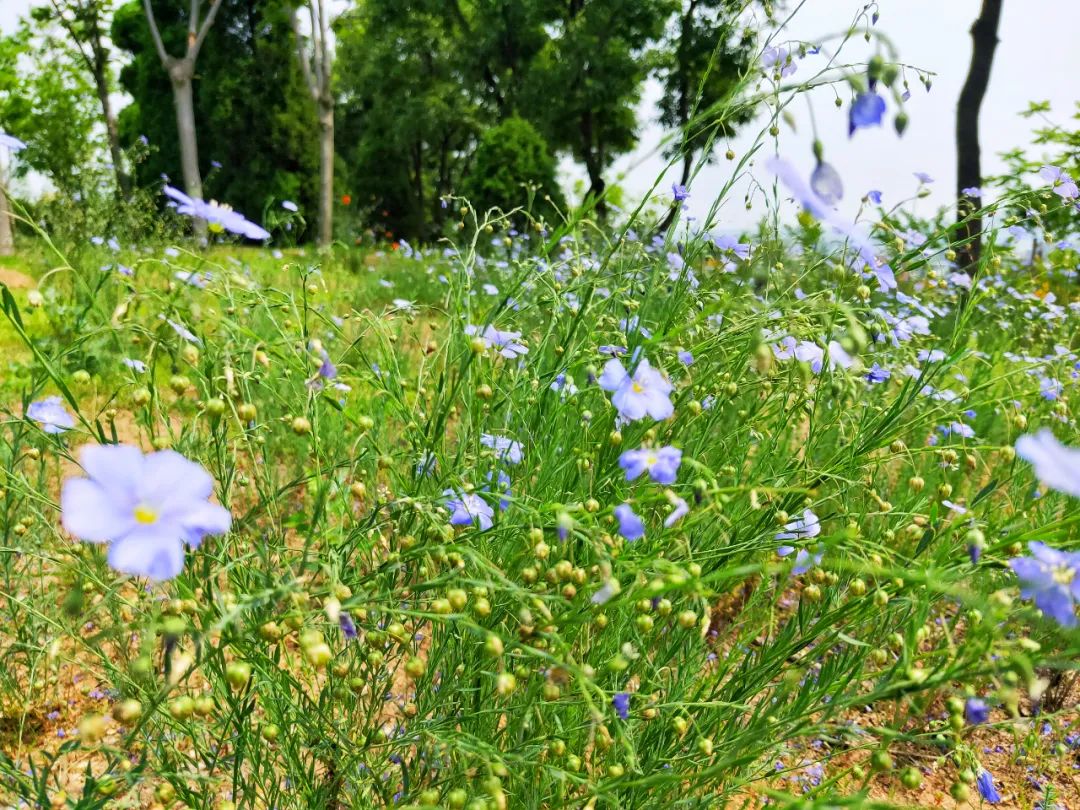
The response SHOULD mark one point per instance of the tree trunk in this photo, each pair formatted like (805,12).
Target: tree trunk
(123,179)
(7,241)
(181,73)
(326,172)
(101,83)
(968,169)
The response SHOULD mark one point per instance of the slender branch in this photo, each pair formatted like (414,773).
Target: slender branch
(316,45)
(69,26)
(301,54)
(324,51)
(204,29)
(193,22)
(155,34)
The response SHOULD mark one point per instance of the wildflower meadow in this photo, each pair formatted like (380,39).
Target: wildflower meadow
(574,503)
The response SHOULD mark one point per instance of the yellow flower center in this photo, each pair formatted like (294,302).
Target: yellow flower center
(216,227)
(637,388)
(650,459)
(144,514)
(1063,575)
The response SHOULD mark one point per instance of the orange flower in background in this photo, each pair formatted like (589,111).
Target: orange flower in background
(346,199)
(395,246)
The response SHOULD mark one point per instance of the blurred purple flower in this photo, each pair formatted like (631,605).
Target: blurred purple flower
(866,111)
(821,210)
(985,784)
(218,216)
(621,703)
(505,449)
(976,711)
(11,142)
(826,183)
(146,507)
(1055,465)
(802,527)
(507,343)
(1061,183)
(876,374)
(1052,579)
(51,414)
(630,525)
(682,508)
(779,56)
(468,509)
(662,464)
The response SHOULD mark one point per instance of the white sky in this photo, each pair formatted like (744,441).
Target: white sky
(930,34)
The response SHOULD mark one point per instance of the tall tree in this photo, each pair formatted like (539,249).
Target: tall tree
(181,71)
(596,60)
(984,42)
(47,102)
(699,64)
(86,23)
(7,237)
(258,139)
(316,54)
(410,116)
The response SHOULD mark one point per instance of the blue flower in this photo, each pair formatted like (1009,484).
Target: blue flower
(876,374)
(866,111)
(468,509)
(505,449)
(219,217)
(51,415)
(662,464)
(686,358)
(985,784)
(506,344)
(976,711)
(146,507)
(874,196)
(1052,579)
(630,525)
(773,56)
(679,192)
(802,527)
(347,625)
(682,508)
(826,183)
(823,211)
(1060,182)
(645,393)
(621,703)
(1056,465)
(804,560)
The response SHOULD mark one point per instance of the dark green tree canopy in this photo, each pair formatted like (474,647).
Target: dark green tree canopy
(256,121)
(513,168)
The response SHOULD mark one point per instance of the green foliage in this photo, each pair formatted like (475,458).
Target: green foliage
(700,63)
(256,125)
(512,167)
(586,83)
(46,101)
(408,121)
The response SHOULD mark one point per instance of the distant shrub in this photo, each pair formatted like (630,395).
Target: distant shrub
(513,167)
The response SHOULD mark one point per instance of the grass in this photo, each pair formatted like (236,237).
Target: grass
(486,664)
